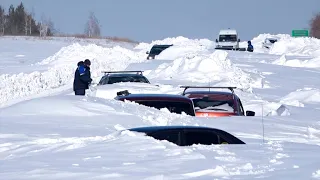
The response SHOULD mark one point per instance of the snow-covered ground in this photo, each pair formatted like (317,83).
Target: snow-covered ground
(48,133)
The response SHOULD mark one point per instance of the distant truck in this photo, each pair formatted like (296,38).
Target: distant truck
(228,39)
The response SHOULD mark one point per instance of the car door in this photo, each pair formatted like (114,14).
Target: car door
(201,136)
(171,135)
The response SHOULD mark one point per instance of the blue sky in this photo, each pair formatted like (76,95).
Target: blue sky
(147,20)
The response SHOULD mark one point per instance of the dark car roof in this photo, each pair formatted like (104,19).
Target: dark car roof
(159,97)
(159,128)
(151,129)
(162,45)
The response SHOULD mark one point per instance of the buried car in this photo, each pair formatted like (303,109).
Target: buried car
(189,135)
(156,50)
(216,103)
(112,77)
(174,103)
(269,42)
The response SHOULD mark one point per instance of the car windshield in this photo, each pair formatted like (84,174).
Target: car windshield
(118,79)
(214,103)
(157,50)
(272,40)
(227,38)
(174,107)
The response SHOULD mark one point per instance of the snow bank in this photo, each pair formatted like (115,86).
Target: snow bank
(61,69)
(176,41)
(298,62)
(203,67)
(300,96)
(297,46)
(288,45)
(257,41)
(300,47)
(71,40)
(176,52)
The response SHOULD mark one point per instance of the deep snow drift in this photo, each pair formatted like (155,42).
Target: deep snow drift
(62,136)
(59,70)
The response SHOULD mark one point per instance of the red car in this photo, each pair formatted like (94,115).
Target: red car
(209,103)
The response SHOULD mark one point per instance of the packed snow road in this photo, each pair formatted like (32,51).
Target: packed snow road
(63,136)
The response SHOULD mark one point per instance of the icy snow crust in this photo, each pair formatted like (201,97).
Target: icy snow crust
(62,136)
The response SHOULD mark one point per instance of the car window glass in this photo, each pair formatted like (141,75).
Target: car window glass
(241,107)
(201,137)
(103,80)
(213,103)
(127,79)
(273,40)
(227,38)
(174,107)
(169,135)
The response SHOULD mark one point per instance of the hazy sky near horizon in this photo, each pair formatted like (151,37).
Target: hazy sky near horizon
(144,20)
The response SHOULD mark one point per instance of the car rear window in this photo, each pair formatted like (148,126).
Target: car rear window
(223,103)
(174,106)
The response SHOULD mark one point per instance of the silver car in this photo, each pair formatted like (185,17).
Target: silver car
(268,42)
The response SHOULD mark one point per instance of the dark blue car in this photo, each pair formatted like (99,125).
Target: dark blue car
(189,135)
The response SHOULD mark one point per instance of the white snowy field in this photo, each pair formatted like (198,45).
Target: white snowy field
(48,133)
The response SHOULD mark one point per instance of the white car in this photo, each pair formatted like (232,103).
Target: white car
(268,42)
(227,39)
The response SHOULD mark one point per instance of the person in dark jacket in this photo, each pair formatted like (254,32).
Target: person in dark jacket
(250,47)
(82,77)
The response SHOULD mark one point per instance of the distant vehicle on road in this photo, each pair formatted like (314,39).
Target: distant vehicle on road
(189,135)
(174,103)
(209,103)
(156,50)
(228,39)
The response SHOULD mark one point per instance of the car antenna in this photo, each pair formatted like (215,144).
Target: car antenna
(262,123)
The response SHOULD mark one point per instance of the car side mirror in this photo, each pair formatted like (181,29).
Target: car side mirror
(238,40)
(250,113)
(216,40)
(147,52)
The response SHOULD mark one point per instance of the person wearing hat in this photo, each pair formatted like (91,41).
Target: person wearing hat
(82,78)
(250,47)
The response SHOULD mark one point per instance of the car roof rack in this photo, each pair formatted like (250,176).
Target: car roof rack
(214,87)
(110,72)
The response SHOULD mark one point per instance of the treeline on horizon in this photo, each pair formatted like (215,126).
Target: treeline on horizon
(18,21)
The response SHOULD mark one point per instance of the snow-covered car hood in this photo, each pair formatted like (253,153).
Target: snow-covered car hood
(110,91)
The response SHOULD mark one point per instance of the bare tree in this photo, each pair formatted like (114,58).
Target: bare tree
(315,26)
(43,29)
(2,21)
(92,28)
(51,28)
(30,20)
(27,23)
